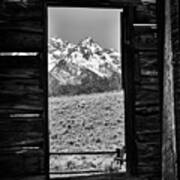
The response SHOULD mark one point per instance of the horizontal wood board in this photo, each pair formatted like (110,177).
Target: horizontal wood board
(20,87)
(21,26)
(21,116)
(93,3)
(147,92)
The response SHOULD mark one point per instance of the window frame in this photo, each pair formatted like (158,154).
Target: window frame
(127,72)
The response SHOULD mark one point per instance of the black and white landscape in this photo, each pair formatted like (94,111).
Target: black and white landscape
(82,68)
(86,104)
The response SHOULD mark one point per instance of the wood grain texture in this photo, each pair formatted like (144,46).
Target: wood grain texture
(93,3)
(21,116)
(145,38)
(22,163)
(29,177)
(146,12)
(147,91)
(169,156)
(21,26)
(128,73)
(175,34)
(177,106)
(20,84)
(21,91)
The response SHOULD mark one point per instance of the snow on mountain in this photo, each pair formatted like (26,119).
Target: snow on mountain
(73,64)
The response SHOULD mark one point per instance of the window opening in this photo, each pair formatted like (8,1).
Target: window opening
(85,93)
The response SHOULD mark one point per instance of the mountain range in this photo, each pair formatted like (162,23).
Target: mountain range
(84,67)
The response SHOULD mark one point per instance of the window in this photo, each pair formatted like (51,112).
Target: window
(86,96)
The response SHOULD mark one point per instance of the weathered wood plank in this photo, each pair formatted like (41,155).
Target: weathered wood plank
(93,3)
(146,12)
(147,122)
(24,163)
(169,154)
(150,89)
(20,10)
(21,138)
(145,38)
(129,88)
(152,136)
(15,40)
(149,80)
(145,95)
(19,61)
(147,111)
(20,83)
(148,59)
(21,26)
(147,150)
(29,177)
(147,102)
(175,24)
(20,126)
(148,153)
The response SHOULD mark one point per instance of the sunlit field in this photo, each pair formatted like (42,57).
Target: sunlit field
(93,122)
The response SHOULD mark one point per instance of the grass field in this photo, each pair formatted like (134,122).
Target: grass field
(92,122)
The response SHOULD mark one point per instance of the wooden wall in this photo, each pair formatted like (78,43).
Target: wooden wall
(22,91)
(147,91)
(21,116)
(21,25)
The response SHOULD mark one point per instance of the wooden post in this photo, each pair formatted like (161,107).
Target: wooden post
(169,156)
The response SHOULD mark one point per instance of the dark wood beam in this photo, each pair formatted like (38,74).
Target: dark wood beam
(92,3)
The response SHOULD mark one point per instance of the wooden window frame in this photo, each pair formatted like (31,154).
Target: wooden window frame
(127,67)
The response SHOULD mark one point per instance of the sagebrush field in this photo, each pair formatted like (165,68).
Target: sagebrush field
(91,122)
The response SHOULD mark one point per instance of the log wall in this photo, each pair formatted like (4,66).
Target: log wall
(147,91)
(22,93)
(21,25)
(21,116)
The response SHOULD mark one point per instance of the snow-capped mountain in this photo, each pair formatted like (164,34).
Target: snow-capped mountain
(81,65)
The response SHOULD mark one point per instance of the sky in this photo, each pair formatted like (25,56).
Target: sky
(75,24)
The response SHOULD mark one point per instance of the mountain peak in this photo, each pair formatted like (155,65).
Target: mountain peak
(90,44)
(87,40)
(85,62)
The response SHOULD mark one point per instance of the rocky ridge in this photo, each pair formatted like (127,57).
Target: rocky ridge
(84,67)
